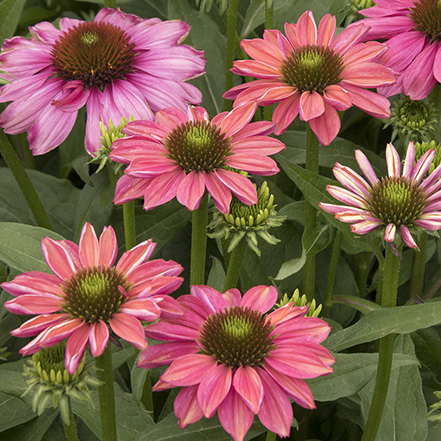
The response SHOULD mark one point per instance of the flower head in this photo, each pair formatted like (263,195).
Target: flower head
(87,294)
(312,74)
(51,382)
(401,202)
(230,356)
(182,154)
(411,29)
(248,220)
(118,65)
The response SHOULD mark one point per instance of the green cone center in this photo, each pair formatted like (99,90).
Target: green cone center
(95,53)
(396,200)
(312,68)
(198,146)
(237,337)
(93,294)
(426,14)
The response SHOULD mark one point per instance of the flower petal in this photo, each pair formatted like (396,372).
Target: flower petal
(98,338)
(186,406)
(189,370)
(261,298)
(129,329)
(247,384)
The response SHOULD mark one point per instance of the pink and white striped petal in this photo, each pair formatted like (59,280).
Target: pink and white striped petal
(98,338)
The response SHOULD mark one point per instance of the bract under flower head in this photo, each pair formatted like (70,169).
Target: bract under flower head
(312,74)
(87,294)
(182,154)
(402,202)
(230,356)
(411,29)
(118,65)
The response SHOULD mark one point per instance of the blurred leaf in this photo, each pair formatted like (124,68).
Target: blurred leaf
(384,321)
(216,278)
(13,411)
(20,246)
(10,12)
(351,373)
(317,240)
(291,267)
(404,415)
(358,303)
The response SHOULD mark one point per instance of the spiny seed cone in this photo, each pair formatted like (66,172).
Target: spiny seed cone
(198,146)
(95,53)
(237,337)
(426,14)
(312,68)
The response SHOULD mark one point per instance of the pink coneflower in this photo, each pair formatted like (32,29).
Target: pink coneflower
(182,154)
(401,202)
(311,74)
(118,65)
(87,294)
(412,30)
(229,356)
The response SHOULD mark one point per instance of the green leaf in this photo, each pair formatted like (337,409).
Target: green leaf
(384,321)
(351,373)
(216,277)
(358,303)
(404,415)
(291,267)
(13,411)
(10,12)
(33,430)
(313,187)
(203,430)
(20,246)
(317,239)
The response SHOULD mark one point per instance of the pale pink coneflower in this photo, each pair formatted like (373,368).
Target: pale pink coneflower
(312,74)
(402,202)
(411,29)
(118,65)
(87,294)
(230,356)
(184,154)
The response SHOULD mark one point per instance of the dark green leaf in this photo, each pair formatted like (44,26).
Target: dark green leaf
(10,12)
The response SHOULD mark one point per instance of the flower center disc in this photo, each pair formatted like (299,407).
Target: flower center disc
(94,53)
(198,145)
(312,68)
(237,337)
(92,294)
(395,200)
(426,14)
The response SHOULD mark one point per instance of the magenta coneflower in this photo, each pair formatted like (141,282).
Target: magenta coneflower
(412,29)
(182,154)
(118,65)
(312,74)
(87,294)
(229,356)
(401,202)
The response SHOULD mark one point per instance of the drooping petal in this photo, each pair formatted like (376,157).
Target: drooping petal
(186,406)
(247,384)
(98,338)
(407,237)
(327,125)
(75,347)
(128,328)
(191,189)
(38,324)
(389,234)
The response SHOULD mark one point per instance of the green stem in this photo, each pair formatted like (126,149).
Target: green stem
(312,164)
(391,272)
(199,242)
(129,224)
(70,431)
(231,43)
(24,182)
(332,271)
(110,3)
(106,395)
(269,24)
(361,270)
(418,267)
(235,264)
(270,436)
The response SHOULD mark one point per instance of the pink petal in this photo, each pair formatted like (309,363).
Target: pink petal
(129,188)
(247,384)
(58,258)
(301,329)
(264,51)
(166,353)
(326,30)
(389,234)
(368,101)
(143,309)
(287,312)
(133,258)
(422,166)
(239,185)
(327,125)
(306,30)
(89,249)
(128,328)
(186,406)
(263,145)
(337,97)
(98,338)
(108,247)
(35,283)
(367,74)
(171,332)
(35,304)
(311,105)
(285,113)
(297,389)
(261,298)
(214,388)
(238,118)
(352,181)
(257,164)
(365,227)
(191,189)
(38,324)
(234,416)
(75,347)
(210,297)
(393,161)
(276,410)
(366,167)
(169,307)
(347,197)
(189,370)
(407,237)
(220,193)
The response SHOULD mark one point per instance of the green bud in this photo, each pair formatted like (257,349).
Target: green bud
(313,310)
